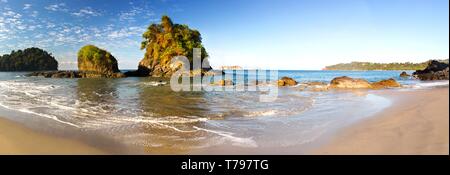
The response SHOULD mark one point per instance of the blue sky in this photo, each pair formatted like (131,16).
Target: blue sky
(276,34)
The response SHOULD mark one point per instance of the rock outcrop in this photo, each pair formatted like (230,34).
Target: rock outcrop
(164,41)
(286,81)
(75,74)
(349,83)
(389,83)
(404,75)
(435,70)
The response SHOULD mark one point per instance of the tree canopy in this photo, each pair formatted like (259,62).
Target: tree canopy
(30,59)
(377,66)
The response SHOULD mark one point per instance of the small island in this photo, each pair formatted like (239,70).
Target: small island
(93,62)
(30,59)
(164,41)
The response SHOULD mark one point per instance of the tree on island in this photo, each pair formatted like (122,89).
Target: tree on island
(164,41)
(30,59)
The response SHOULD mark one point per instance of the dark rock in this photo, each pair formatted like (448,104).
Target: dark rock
(75,74)
(435,71)
(404,75)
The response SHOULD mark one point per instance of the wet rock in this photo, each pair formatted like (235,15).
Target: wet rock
(345,82)
(286,81)
(404,75)
(75,74)
(389,83)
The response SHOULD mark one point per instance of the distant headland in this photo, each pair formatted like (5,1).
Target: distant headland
(379,66)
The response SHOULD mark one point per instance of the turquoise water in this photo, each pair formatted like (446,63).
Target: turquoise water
(146,113)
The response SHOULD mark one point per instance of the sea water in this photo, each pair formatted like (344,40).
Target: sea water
(146,113)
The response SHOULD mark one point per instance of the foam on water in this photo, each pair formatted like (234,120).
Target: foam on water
(236,141)
(146,112)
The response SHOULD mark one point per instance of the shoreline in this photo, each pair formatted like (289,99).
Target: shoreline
(16,139)
(402,128)
(417,122)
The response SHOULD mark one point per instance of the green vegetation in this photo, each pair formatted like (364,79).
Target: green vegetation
(166,40)
(378,66)
(92,58)
(31,59)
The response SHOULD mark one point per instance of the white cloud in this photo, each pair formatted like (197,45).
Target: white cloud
(87,11)
(26,6)
(126,32)
(4,1)
(135,11)
(57,7)
(34,14)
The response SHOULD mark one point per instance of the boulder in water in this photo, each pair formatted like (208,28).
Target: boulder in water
(345,82)
(389,83)
(404,75)
(286,81)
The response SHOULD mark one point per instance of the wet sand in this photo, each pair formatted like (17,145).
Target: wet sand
(416,123)
(18,140)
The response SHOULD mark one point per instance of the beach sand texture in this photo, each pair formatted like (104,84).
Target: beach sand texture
(416,123)
(17,140)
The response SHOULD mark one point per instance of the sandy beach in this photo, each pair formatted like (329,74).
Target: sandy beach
(18,140)
(416,123)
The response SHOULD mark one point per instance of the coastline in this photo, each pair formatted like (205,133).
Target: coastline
(417,122)
(16,139)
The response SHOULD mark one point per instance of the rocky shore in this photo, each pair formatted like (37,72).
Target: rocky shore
(435,70)
(76,74)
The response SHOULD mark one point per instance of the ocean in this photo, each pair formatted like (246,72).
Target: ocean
(145,113)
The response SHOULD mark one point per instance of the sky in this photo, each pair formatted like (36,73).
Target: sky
(269,34)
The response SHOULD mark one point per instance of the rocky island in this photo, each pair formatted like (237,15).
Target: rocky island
(161,43)
(30,59)
(93,62)
(164,41)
